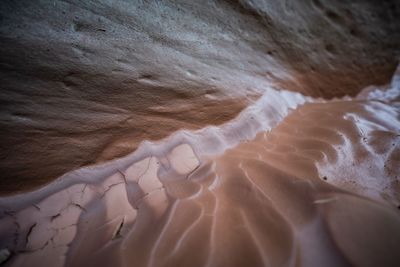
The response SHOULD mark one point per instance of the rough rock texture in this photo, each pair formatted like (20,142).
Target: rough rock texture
(86,81)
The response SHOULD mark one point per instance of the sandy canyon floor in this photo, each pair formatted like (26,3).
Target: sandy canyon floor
(317,186)
(214,133)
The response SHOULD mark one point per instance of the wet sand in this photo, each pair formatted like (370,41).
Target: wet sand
(305,183)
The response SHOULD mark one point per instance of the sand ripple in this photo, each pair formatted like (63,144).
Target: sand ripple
(320,189)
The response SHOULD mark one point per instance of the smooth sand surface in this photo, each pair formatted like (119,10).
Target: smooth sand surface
(321,188)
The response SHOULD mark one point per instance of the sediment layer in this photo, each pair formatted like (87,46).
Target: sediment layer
(318,186)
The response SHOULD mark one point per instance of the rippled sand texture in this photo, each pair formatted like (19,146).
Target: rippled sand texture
(320,189)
